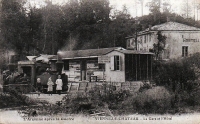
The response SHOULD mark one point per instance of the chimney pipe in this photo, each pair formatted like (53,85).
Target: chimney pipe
(150,27)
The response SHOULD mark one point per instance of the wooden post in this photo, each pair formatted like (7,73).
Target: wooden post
(136,65)
(147,66)
(33,75)
(81,69)
(139,67)
(151,66)
(132,65)
(129,75)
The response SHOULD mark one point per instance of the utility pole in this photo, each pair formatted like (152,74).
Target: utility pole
(142,3)
(197,13)
(198,7)
(187,9)
(159,10)
(194,8)
(136,8)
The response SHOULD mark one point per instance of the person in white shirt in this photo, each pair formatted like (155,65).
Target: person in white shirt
(50,86)
(59,85)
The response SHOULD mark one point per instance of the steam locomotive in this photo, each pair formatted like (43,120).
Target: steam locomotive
(22,76)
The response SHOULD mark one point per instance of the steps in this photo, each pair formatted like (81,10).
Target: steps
(125,86)
(135,86)
(90,86)
(73,87)
(82,87)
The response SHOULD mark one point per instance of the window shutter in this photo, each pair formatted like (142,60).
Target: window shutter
(120,63)
(112,63)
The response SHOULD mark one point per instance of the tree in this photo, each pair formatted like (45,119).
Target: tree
(160,45)
(186,9)
(157,9)
(120,27)
(44,25)
(14,27)
(85,23)
(34,35)
(154,8)
(166,7)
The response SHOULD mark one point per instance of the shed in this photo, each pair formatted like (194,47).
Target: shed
(107,64)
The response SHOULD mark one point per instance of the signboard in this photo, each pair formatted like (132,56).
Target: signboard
(190,40)
(103,59)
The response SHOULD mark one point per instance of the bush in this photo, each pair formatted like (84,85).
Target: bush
(182,77)
(14,99)
(76,104)
(194,97)
(180,74)
(155,100)
(96,98)
(175,74)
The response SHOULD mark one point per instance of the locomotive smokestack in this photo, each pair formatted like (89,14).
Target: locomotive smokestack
(59,62)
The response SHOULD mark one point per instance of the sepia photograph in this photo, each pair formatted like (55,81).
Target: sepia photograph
(99,61)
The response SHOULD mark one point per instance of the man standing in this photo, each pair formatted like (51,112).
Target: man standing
(59,84)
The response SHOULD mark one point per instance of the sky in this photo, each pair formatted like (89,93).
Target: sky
(132,4)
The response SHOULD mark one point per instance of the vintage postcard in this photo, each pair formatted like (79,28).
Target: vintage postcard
(99,61)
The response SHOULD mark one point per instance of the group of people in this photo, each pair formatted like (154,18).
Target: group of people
(50,84)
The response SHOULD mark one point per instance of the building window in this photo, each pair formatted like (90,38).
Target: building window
(184,51)
(66,65)
(149,38)
(145,38)
(115,63)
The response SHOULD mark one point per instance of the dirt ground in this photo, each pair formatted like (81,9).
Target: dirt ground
(51,99)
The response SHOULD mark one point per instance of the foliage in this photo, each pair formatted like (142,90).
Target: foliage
(14,99)
(145,86)
(97,98)
(182,78)
(154,6)
(179,74)
(13,25)
(84,24)
(160,45)
(186,9)
(155,100)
